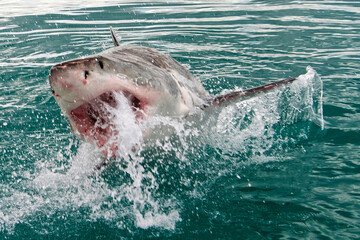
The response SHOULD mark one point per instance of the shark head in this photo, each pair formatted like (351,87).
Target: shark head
(153,84)
(83,89)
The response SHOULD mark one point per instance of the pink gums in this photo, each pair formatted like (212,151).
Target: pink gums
(93,121)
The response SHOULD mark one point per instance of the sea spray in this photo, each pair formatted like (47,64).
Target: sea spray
(143,184)
(146,184)
(261,126)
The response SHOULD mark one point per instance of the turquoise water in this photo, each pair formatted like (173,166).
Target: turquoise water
(280,165)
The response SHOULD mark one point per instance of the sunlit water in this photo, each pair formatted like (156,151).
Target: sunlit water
(284,164)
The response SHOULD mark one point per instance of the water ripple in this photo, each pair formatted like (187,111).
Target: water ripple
(260,167)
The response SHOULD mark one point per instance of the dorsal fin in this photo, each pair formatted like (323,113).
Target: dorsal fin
(116,42)
(221,99)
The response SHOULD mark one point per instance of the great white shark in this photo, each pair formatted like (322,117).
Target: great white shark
(153,83)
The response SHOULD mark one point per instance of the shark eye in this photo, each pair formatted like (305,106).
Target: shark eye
(101,64)
(86,74)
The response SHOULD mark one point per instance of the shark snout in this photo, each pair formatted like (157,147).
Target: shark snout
(85,66)
(67,73)
(77,79)
(74,63)
(64,76)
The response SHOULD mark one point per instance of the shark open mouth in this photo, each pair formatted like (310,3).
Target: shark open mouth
(94,120)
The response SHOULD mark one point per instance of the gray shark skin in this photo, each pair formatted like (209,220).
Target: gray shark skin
(153,83)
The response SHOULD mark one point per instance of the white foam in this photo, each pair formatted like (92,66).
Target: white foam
(247,127)
(79,187)
(166,221)
(129,132)
(313,84)
(145,208)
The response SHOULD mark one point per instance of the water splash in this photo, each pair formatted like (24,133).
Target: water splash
(145,185)
(309,91)
(258,127)
(125,196)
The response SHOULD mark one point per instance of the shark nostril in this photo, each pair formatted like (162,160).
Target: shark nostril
(86,74)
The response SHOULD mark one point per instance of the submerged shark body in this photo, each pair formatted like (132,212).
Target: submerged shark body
(153,83)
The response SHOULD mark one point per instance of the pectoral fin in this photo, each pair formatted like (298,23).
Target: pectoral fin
(223,98)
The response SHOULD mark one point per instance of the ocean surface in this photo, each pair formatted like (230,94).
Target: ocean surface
(280,165)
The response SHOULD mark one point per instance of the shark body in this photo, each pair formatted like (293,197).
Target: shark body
(152,82)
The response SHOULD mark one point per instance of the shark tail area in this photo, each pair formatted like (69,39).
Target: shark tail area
(224,98)
(308,89)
